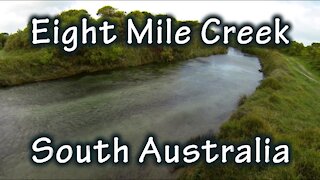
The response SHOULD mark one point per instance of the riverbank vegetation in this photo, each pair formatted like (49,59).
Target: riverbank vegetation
(286,107)
(21,63)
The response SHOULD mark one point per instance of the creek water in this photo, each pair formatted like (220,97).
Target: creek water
(174,102)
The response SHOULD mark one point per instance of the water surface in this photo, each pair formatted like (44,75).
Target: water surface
(175,102)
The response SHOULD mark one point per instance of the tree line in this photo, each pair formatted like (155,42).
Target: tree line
(21,62)
(311,53)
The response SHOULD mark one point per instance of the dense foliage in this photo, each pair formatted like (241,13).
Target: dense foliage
(310,53)
(50,62)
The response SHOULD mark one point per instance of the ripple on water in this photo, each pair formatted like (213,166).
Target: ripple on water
(175,102)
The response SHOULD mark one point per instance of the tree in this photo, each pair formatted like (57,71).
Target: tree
(73,17)
(316,45)
(314,50)
(3,39)
(113,16)
(18,40)
(108,12)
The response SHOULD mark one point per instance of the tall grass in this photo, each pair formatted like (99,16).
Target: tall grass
(286,107)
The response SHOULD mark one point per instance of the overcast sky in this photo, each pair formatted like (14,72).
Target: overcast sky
(304,16)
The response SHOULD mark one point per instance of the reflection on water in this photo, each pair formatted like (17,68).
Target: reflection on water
(175,102)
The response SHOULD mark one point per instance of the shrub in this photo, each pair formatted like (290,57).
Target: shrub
(167,54)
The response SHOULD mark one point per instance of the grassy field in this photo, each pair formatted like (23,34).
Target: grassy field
(286,107)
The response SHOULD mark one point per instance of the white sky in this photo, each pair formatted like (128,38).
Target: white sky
(303,16)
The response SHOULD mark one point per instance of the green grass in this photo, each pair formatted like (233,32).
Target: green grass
(286,107)
(17,67)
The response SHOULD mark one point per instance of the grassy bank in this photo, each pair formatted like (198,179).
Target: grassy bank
(286,107)
(32,65)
